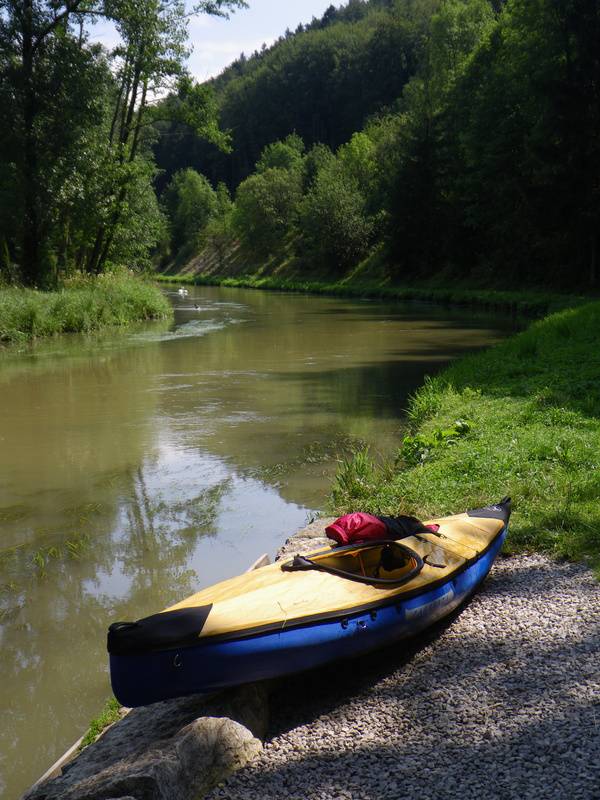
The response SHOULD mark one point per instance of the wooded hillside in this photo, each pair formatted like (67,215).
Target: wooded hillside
(456,138)
(461,136)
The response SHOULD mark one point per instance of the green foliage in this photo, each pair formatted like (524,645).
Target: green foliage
(322,83)
(486,172)
(465,139)
(83,305)
(419,447)
(534,428)
(286,154)
(358,161)
(76,169)
(335,228)
(318,158)
(109,714)
(191,202)
(219,230)
(355,480)
(265,208)
(194,106)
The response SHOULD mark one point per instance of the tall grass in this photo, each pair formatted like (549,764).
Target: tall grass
(522,418)
(84,304)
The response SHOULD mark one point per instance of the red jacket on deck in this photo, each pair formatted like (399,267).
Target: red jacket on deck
(361,527)
(357,527)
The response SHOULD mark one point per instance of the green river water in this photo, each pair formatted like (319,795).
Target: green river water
(137,467)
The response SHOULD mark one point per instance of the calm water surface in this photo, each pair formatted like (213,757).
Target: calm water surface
(136,468)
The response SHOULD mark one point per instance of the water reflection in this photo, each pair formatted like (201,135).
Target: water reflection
(136,468)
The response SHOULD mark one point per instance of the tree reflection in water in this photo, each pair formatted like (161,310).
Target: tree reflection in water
(134,470)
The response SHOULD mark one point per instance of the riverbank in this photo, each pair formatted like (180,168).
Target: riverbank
(82,305)
(503,695)
(522,418)
(527,303)
(490,691)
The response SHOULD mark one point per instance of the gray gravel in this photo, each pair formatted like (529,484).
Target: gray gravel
(503,701)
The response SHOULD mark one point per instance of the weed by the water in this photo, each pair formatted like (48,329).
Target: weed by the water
(83,305)
(109,714)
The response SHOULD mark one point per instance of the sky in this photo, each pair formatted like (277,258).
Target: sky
(217,42)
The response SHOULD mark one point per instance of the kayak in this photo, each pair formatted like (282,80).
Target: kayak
(300,613)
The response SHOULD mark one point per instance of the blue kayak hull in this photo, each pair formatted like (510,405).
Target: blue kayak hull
(218,664)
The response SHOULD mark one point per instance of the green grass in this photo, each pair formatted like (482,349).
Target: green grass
(529,303)
(82,305)
(108,715)
(522,418)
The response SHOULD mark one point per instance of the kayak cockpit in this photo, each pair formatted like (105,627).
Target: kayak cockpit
(383,563)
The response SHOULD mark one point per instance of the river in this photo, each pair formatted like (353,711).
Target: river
(137,467)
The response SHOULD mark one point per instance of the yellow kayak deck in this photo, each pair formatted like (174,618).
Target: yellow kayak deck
(271,596)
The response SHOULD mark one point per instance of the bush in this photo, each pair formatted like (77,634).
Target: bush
(191,202)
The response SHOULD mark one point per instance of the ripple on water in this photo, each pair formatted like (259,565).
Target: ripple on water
(194,328)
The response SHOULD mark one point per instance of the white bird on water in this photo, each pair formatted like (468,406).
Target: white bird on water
(183,292)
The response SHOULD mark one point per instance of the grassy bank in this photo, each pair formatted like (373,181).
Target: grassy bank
(530,303)
(522,418)
(82,305)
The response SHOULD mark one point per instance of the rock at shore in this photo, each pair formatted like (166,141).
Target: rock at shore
(310,538)
(176,750)
(179,749)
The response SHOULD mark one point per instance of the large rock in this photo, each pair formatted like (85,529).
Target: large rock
(176,750)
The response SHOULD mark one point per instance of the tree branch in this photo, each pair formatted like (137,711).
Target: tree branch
(70,8)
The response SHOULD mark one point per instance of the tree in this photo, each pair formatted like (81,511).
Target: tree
(265,208)
(57,90)
(40,59)
(286,154)
(334,226)
(191,202)
(321,83)
(219,231)
(153,34)
(317,159)
(530,137)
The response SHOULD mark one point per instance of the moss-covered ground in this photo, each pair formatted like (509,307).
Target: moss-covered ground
(520,419)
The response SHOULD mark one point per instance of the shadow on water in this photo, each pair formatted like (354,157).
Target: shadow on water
(372,390)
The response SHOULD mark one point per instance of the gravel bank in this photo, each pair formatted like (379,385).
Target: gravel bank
(503,701)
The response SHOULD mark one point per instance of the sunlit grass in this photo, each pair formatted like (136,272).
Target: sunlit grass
(532,409)
(82,305)
(109,714)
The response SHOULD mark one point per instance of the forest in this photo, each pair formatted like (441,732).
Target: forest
(447,138)
(76,127)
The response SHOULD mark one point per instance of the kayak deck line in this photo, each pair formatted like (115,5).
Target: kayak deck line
(330,603)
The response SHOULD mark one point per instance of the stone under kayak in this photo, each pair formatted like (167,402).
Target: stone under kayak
(300,613)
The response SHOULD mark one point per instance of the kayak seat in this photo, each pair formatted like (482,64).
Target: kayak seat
(376,563)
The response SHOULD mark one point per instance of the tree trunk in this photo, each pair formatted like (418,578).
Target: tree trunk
(123,193)
(31,223)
